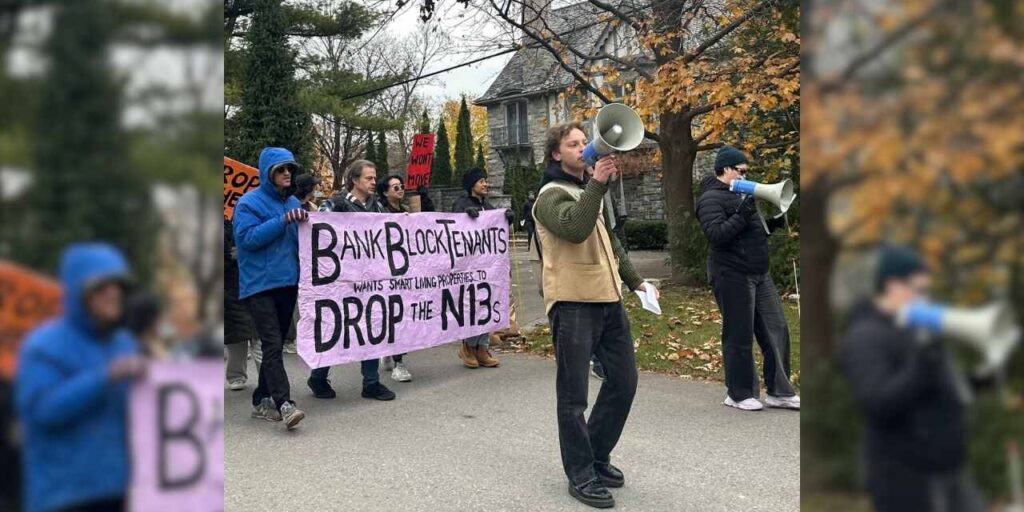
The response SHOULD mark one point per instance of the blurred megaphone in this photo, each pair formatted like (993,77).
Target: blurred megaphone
(780,194)
(617,128)
(989,329)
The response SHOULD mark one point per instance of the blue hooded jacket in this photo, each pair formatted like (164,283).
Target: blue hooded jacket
(268,248)
(74,417)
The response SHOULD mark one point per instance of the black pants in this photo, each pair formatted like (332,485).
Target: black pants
(272,313)
(529,235)
(751,307)
(579,330)
(895,487)
(106,505)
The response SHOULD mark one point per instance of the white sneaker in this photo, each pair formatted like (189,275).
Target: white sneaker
(387,363)
(401,373)
(236,384)
(289,348)
(783,402)
(750,404)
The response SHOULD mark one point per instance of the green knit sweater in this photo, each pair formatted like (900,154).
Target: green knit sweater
(574,221)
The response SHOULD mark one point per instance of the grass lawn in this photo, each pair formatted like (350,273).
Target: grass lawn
(686,340)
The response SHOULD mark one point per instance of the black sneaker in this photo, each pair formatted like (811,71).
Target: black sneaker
(592,493)
(609,475)
(597,369)
(321,388)
(378,391)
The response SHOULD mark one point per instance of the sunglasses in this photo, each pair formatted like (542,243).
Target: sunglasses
(397,187)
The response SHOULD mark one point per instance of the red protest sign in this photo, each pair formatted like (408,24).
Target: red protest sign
(238,179)
(26,300)
(418,172)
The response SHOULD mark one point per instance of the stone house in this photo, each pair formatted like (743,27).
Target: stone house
(533,92)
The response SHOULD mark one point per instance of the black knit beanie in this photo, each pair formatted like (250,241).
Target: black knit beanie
(729,156)
(471,177)
(897,262)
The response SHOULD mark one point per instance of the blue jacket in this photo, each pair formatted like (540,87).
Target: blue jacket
(74,418)
(268,248)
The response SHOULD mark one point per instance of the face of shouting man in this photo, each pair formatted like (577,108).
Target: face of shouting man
(570,152)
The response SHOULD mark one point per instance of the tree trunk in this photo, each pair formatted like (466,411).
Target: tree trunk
(678,153)
(818,251)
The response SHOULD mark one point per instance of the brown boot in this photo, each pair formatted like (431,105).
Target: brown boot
(484,357)
(468,356)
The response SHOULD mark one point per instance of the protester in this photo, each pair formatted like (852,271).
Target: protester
(240,339)
(583,270)
(72,389)
(744,290)
(305,192)
(912,399)
(266,233)
(426,204)
(360,197)
(391,192)
(143,317)
(528,223)
(474,352)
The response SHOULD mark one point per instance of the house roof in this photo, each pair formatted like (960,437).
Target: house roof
(534,70)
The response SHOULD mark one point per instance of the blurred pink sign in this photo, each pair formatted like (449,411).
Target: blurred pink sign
(177,438)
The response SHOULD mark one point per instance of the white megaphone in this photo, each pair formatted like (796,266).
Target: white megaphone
(617,128)
(989,329)
(780,194)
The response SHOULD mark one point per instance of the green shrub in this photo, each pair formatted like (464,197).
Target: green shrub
(646,235)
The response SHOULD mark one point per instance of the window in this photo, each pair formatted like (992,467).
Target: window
(516,121)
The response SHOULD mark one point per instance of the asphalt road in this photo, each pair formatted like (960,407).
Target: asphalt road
(457,439)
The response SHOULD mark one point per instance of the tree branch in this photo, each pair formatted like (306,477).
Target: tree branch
(724,31)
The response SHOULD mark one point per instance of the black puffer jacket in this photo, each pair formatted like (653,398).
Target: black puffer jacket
(908,393)
(469,201)
(738,241)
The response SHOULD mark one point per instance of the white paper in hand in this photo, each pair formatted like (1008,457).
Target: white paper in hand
(649,299)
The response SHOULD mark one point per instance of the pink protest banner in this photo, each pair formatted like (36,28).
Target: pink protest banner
(373,285)
(177,438)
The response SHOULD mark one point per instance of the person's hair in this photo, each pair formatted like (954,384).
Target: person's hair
(354,171)
(556,134)
(385,184)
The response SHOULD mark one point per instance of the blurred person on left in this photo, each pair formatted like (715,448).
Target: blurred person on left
(72,389)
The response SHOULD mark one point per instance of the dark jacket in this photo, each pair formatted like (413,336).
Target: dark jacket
(346,202)
(387,208)
(426,204)
(470,201)
(738,242)
(528,214)
(75,419)
(238,325)
(907,393)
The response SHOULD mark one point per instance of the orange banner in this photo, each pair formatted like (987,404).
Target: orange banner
(26,300)
(238,179)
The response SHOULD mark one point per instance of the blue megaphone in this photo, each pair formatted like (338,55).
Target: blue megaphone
(617,128)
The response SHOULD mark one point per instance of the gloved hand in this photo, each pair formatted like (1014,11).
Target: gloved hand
(473,212)
(296,215)
(776,222)
(748,206)
(509,216)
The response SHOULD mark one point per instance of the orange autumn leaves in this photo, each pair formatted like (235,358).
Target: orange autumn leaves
(924,147)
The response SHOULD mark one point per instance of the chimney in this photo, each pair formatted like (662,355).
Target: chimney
(535,12)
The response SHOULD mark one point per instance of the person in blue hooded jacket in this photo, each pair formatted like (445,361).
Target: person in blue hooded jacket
(266,234)
(72,389)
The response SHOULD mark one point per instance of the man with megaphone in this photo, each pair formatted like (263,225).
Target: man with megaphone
(912,399)
(744,290)
(583,269)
